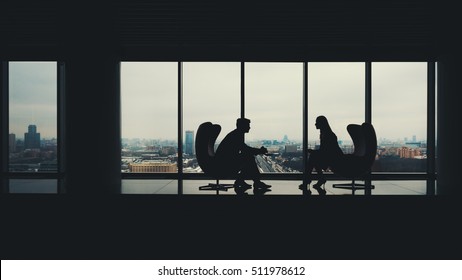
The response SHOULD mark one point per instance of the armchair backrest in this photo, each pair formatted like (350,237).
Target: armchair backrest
(371,143)
(365,149)
(206,136)
(359,142)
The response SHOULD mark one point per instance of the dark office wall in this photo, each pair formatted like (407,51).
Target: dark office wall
(90,39)
(448,116)
(449,88)
(92,102)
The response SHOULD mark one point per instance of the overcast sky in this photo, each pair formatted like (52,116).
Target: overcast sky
(211,92)
(33,97)
(273,103)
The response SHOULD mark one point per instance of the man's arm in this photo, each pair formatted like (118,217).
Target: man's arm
(254,151)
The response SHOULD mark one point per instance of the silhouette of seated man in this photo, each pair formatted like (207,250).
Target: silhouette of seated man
(239,158)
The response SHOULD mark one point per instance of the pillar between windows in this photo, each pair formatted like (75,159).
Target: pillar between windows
(448,114)
(92,120)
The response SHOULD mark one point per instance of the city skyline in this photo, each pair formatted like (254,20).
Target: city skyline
(403,139)
(21,136)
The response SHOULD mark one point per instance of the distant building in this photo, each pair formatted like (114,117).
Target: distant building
(48,166)
(12,142)
(168,150)
(152,167)
(32,138)
(413,144)
(405,152)
(189,140)
(290,148)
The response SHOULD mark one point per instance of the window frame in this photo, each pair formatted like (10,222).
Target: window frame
(60,130)
(429,175)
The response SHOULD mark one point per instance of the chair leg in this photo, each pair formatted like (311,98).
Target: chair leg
(353,186)
(216,187)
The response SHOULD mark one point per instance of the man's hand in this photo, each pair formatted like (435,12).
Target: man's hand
(263,150)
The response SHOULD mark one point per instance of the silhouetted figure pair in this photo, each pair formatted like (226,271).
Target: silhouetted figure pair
(327,156)
(239,158)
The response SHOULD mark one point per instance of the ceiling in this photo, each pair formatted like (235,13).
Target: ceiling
(228,29)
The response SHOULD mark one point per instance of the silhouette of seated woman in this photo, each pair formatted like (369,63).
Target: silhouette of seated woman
(238,158)
(327,156)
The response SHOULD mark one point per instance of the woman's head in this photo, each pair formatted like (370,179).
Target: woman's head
(322,123)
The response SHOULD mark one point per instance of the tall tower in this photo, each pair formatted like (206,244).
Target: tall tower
(12,143)
(189,140)
(32,138)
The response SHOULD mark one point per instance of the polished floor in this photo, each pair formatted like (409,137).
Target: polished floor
(191,187)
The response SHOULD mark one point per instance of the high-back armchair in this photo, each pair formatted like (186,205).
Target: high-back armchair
(357,165)
(206,136)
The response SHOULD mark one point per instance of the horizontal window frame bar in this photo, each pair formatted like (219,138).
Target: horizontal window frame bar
(375,176)
(33,175)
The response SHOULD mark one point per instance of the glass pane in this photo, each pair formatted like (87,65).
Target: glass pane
(133,186)
(399,114)
(407,187)
(211,93)
(149,98)
(273,103)
(33,144)
(336,91)
(285,187)
(33,186)
(191,187)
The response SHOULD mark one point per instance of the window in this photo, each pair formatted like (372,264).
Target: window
(399,114)
(273,103)
(271,95)
(32,139)
(336,91)
(149,120)
(149,96)
(165,101)
(31,156)
(211,93)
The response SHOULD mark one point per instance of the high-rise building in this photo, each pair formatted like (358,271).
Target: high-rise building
(152,167)
(12,142)
(290,148)
(189,140)
(32,138)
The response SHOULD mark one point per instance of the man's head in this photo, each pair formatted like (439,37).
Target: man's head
(243,124)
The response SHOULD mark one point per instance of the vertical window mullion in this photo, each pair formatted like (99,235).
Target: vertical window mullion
(61,126)
(305,122)
(180,128)
(4,142)
(368,92)
(368,112)
(431,128)
(242,89)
